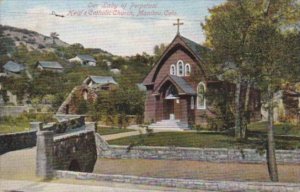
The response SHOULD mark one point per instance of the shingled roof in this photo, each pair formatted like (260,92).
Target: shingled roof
(13,67)
(195,47)
(50,64)
(103,79)
(183,86)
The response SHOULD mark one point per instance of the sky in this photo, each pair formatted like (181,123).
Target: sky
(124,27)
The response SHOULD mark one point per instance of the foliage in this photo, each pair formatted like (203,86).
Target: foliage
(158,50)
(279,128)
(117,104)
(250,34)
(21,123)
(7,44)
(18,86)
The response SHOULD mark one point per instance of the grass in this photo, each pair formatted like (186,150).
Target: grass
(201,140)
(279,128)
(113,130)
(11,127)
(21,123)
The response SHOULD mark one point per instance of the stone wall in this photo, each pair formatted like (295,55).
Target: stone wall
(21,140)
(76,151)
(185,183)
(198,154)
(15,141)
(66,125)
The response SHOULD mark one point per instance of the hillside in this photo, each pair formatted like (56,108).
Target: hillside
(36,41)
(31,39)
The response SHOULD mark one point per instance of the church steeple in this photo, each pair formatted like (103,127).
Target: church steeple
(178,25)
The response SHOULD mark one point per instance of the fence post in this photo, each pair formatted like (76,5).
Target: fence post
(36,126)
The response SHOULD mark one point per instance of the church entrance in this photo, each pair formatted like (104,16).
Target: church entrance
(169,112)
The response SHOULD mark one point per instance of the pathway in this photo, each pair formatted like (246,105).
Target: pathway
(33,186)
(17,174)
(137,131)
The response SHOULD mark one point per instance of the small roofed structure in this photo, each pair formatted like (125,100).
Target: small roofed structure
(141,87)
(102,82)
(91,88)
(50,66)
(85,60)
(115,71)
(11,68)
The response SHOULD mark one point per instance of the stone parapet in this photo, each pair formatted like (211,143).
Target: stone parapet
(16,141)
(225,186)
(198,154)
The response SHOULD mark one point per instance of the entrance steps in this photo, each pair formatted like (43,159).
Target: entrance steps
(169,124)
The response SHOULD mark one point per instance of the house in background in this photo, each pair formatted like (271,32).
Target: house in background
(90,89)
(287,106)
(115,71)
(52,66)
(84,60)
(13,68)
(101,82)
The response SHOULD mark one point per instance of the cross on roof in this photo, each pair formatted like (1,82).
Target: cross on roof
(178,24)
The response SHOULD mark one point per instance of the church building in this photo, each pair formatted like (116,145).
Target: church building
(182,90)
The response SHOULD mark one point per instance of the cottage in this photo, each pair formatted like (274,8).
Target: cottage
(50,66)
(182,90)
(85,60)
(90,89)
(13,68)
(101,82)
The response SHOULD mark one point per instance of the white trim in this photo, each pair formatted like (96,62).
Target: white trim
(201,106)
(192,102)
(180,63)
(173,67)
(185,69)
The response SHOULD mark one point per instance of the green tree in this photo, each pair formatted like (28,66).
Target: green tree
(249,34)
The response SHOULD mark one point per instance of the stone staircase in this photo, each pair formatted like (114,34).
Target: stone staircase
(169,124)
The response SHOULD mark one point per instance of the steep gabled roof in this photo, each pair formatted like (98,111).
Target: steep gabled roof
(50,64)
(182,86)
(13,67)
(185,86)
(195,47)
(196,50)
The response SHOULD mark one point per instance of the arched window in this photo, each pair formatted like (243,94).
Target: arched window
(180,68)
(171,92)
(187,69)
(201,101)
(173,70)
(192,102)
